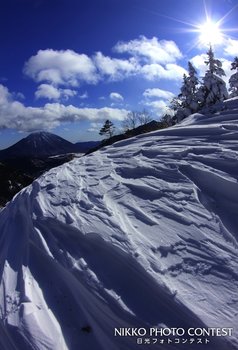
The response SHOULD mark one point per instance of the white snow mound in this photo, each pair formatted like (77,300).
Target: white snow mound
(139,234)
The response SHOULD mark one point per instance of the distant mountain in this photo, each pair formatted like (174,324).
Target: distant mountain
(38,144)
(83,147)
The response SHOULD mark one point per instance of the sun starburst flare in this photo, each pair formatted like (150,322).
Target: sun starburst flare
(210,33)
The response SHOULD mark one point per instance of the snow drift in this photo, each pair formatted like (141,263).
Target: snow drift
(141,233)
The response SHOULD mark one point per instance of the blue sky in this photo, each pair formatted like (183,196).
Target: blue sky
(67,65)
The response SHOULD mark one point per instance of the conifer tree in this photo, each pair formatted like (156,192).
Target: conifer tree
(107,129)
(233,81)
(189,89)
(213,88)
(187,100)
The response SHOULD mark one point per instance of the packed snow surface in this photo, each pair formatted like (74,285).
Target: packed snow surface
(143,233)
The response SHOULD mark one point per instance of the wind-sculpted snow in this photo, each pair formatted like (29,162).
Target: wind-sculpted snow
(139,234)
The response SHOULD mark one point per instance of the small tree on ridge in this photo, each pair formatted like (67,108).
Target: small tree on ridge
(107,129)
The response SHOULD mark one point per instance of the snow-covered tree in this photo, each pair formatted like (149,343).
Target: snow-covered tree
(107,129)
(175,104)
(186,102)
(213,88)
(233,81)
(176,110)
(189,89)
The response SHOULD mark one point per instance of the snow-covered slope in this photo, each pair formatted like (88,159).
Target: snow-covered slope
(138,234)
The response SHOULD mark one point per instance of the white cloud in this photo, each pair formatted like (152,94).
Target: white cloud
(119,69)
(83,96)
(4,95)
(67,93)
(19,96)
(151,59)
(148,58)
(160,107)
(226,65)
(16,115)
(115,96)
(158,93)
(170,71)
(115,68)
(47,91)
(199,64)
(152,50)
(231,48)
(157,100)
(61,67)
(53,93)
(94,127)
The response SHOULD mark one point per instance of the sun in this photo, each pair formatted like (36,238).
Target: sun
(210,33)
